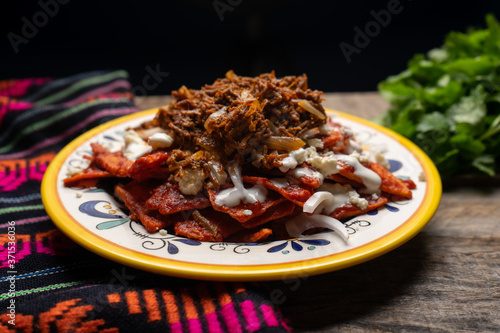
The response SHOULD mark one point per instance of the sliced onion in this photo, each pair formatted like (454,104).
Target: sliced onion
(302,222)
(310,133)
(145,133)
(306,105)
(317,199)
(206,223)
(217,173)
(213,119)
(287,143)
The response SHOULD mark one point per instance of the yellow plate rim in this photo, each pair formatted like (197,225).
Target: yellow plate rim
(177,268)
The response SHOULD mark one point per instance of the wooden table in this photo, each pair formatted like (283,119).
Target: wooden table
(446,279)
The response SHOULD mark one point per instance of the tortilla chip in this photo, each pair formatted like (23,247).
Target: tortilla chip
(239,212)
(168,199)
(312,182)
(115,163)
(134,195)
(349,209)
(283,209)
(87,177)
(150,166)
(296,193)
(344,180)
(390,183)
(191,229)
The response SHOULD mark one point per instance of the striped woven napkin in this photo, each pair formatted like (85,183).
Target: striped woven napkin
(50,284)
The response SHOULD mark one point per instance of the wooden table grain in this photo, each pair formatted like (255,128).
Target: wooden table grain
(446,279)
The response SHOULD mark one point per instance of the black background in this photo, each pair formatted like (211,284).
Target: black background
(188,39)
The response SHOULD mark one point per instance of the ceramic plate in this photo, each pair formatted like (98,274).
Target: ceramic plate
(93,218)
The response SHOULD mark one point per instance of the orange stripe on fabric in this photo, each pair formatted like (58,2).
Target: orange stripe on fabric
(46,318)
(239,287)
(110,330)
(224,297)
(132,298)
(206,301)
(152,305)
(189,307)
(114,298)
(171,306)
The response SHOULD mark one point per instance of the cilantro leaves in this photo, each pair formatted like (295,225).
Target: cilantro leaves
(448,102)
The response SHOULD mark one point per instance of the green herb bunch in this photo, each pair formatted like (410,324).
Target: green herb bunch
(448,102)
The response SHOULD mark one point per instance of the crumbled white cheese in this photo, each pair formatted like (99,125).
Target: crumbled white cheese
(316,143)
(191,181)
(357,201)
(326,165)
(324,129)
(247,212)
(135,146)
(297,157)
(352,146)
(359,157)
(380,159)
(163,232)
(160,140)
(293,159)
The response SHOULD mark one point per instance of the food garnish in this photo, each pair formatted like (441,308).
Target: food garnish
(448,102)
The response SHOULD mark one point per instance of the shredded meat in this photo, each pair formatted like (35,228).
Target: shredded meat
(236,116)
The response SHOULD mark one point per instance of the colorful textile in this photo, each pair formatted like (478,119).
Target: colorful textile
(48,283)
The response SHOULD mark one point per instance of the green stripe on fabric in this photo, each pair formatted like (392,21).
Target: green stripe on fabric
(58,116)
(38,290)
(80,84)
(19,209)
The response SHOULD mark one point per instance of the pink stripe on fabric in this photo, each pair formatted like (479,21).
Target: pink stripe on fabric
(68,132)
(176,327)
(231,318)
(19,105)
(3,111)
(213,323)
(12,180)
(269,316)
(19,254)
(20,88)
(42,248)
(248,310)
(195,326)
(27,221)
(36,173)
(101,90)
(12,106)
